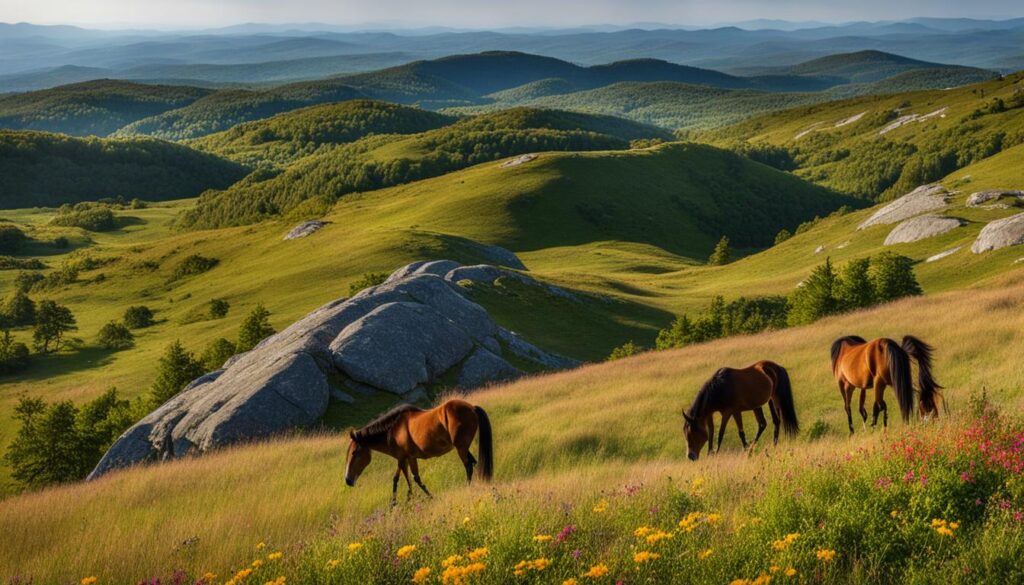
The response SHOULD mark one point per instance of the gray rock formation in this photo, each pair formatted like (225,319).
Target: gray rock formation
(981,197)
(400,338)
(1001,233)
(304,229)
(943,254)
(921,200)
(921,227)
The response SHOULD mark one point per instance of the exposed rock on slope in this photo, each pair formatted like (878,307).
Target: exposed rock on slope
(399,337)
(981,197)
(921,227)
(921,200)
(1001,233)
(304,229)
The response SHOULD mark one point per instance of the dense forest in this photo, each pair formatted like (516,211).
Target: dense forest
(42,169)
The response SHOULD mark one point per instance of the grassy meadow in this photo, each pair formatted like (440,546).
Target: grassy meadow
(594,459)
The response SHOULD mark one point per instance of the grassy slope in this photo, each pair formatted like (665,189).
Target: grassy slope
(624,431)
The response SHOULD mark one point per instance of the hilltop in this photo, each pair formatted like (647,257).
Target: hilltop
(868,67)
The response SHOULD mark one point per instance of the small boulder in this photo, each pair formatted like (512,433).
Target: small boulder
(922,227)
(304,229)
(921,200)
(1001,233)
(977,199)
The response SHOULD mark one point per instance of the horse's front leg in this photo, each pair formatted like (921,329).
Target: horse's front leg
(404,466)
(415,466)
(762,423)
(739,426)
(394,485)
(711,433)
(863,411)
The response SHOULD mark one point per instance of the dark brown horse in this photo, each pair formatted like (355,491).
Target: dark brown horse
(408,433)
(882,362)
(731,391)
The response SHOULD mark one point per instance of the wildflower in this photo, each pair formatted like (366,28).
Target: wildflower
(762,580)
(774,568)
(894,513)
(279,581)
(954,525)
(565,533)
(542,538)
(421,575)
(354,546)
(601,506)
(790,572)
(275,556)
(209,577)
(785,541)
(455,575)
(478,553)
(570,582)
(642,531)
(257,563)
(825,554)
(452,560)
(713,518)
(332,564)
(261,546)
(944,531)
(465,520)
(89,581)
(406,551)
(644,556)
(658,536)
(704,554)
(531,565)
(597,571)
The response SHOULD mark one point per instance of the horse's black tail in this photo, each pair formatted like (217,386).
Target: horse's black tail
(486,445)
(899,371)
(784,394)
(922,352)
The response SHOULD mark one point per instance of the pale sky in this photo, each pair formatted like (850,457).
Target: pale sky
(482,13)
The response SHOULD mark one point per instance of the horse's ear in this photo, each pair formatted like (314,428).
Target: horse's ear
(688,418)
(352,435)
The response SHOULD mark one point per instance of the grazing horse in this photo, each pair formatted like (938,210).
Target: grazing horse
(731,391)
(408,433)
(882,362)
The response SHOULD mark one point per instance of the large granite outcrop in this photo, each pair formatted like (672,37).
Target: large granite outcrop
(921,200)
(1001,233)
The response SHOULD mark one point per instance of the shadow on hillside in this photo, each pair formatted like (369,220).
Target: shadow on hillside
(44,367)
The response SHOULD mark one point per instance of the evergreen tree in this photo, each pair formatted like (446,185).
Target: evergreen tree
(782,236)
(46,448)
(177,369)
(19,310)
(100,422)
(138,317)
(722,254)
(625,350)
(52,322)
(255,329)
(816,297)
(114,335)
(216,353)
(855,289)
(893,277)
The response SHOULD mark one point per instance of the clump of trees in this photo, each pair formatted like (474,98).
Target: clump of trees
(88,216)
(723,319)
(216,353)
(625,350)
(11,239)
(115,335)
(138,317)
(14,355)
(193,265)
(219,308)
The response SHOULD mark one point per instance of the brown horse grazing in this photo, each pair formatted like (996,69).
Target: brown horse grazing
(731,391)
(408,433)
(882,362)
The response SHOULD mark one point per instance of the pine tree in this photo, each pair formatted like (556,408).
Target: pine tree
(722,254)
(52,322)
(19,310)
(255,329)
(816,297)
(782,236)
(178,368)
(46,448)
(893,277)
(855,289)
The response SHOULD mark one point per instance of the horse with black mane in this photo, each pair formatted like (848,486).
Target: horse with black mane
(731,391)
(408,433)
(882,362)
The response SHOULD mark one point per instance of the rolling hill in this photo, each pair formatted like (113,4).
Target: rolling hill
(39,169)
(867,67)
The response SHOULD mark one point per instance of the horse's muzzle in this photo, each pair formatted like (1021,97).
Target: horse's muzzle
(693,456)
(350,482)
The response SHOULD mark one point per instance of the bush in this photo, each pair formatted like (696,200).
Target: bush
(115,335)
(93,219)
(12,263)
(194,264)
(216,353)
(177,369)
(14,356)
(25,281)
(18,310)
(11,239)
(219,308)
(625,350)
(52,322)
(893,277)
(255,329)
(818,430)
(782,236)
(61,242)
(366,281)
(855,290)
(138,317)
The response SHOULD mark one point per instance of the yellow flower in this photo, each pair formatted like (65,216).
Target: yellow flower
(826,554)
(601,506)
(944,531)
(570,582)
(451,561)
(279,581)
(354,546)
(936,522)
(644,556)
(531,565)
(658,536)
(331,564)
(894,513)
(261,546)
(406,551)
(88,581)
(275,556)
(421,575)
(642,531)
(954,525)
(713,518)
(257,563)
(774,568)
(740,582)
(454,575)
(762,580)
(704,554)
(478,553)
(465,520)
(597,571)
(785,541)
(209,577)
(790,572)
(542,538)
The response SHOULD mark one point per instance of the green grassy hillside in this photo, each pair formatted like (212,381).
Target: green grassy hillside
(868,66)
(384,160)
(42,169)
(284,138)
(93,107)
(881,147)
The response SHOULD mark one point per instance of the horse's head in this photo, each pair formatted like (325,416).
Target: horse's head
(356,461)
(696,435)
(929,408)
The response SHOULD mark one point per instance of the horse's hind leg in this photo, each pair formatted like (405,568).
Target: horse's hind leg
(415,466)
(394,485)
(863,411)
(762,424)
(739,425)
(773,410)
(468,461)
(880,405)
(847,392)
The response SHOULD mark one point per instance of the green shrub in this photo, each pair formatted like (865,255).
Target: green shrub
(366,281)
(816,296)
(193,265)
(625,350)
(138,317)
(115,335)
(818,430)
(18,310)
(12,263)
(893,277)
(722,320)
(255,329)
(782,236)
(14,355)
(93,219)
(219,308)
(216,353)
(177,368)
(11,239)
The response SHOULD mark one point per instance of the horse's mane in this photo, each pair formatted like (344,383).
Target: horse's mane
(837,346)
(385,422)
(715,383)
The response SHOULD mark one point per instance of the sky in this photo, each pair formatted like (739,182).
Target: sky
(165,14)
